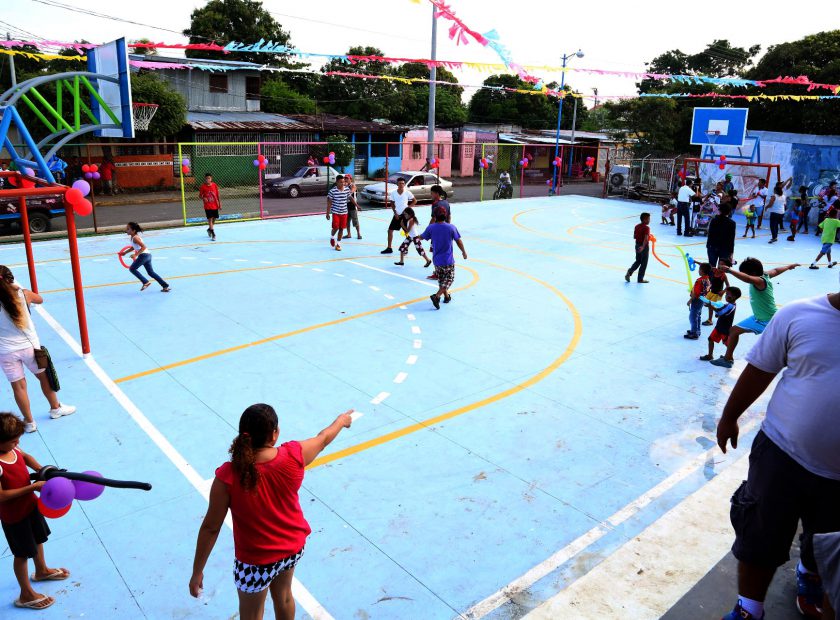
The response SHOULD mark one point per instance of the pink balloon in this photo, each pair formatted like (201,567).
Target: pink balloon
(87,491)
(82,186)
(58,493)
(83,207)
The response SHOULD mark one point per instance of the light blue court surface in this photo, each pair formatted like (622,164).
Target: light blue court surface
(550,412)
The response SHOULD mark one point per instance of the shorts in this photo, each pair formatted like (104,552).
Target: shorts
(396,223)
(767,507)
(826,248)
(445,274)
(759,211)
(353,214)
(339,221)
(14,362)
(25,535)
(753,325)
(253,578)
(211,214)
(716,336)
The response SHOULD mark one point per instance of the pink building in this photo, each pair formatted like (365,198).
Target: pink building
(415,148)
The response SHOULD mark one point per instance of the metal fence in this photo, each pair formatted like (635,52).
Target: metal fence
(643,179)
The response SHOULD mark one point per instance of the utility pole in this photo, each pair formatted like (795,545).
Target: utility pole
(430,150)
(595,91)
(12,62)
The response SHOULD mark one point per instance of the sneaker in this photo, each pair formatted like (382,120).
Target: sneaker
(209,233)
(722,362)
(830,265)
(62,410)
(30,427)
(707,323)
(739,613)
(691,336)
(706,358)
(432,276)
(813,266)
(387,251)
(644,281)
(213,235)
(626,277)
(358,236)
(672,224)
(400,263)
(809,594)
(447,298)
(332,242)
(435,301)
(165,289)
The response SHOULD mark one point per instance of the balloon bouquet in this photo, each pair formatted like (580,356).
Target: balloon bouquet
(63,486)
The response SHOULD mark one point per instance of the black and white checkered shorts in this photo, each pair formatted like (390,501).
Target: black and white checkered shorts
(446,275)
(253,578)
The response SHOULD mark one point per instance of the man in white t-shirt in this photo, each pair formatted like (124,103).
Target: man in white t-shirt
(759,199)
(401,199)
(794,471)
(684,196)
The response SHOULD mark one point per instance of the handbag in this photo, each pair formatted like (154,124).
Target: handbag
(43,360)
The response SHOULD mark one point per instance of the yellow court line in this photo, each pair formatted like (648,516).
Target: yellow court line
(533,380)
(296,332)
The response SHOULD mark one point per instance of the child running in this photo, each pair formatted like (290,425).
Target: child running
(142,258)
(337,200)
(719,282)
(409,222)
(641,241)
(695,305)
(749,212)
(762,303)
(829,228)
(25,528)
(725,316)
(209,194)
(442,234)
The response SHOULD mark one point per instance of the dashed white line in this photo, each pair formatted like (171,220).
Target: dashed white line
(403,308)
(410,317)
(418,344)
(391,273)
(99,260)
(297,266)
(355,281)
(214,258)
(188,258)
(412,359)
(387,296)
(240,260)
(266,262)
(415,329)
(338,275)
(401,376)
(317,269)
(374,288)
(379,398)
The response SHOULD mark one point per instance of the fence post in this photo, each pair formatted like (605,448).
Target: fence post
(481,193)
(183,195)
(260,180)
(387,154)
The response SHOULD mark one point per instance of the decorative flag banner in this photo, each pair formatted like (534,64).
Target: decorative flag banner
(41,56)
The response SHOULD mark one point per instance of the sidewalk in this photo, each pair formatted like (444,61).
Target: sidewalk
(137,198)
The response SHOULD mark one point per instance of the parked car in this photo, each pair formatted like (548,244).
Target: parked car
(40,210)
(419,183)
(307,180)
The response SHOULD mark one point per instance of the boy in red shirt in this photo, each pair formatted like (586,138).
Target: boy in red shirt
(641,238)
(209,194)
(25,528)
(701,288)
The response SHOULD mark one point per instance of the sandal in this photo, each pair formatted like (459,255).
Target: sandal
(145,286)
(707,322)
(59,574)
(706,358)
(38,603)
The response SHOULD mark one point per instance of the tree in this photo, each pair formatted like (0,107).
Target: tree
(357,97)
(172,110)
(278,97)
(531,111)
(413,104)
(145,51)
(245,21)
(344,150)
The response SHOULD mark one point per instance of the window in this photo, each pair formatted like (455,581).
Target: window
(430,179)
(252,87)
(416,150)
(218,82)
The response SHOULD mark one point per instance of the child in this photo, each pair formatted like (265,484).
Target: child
(719,282)
(795,216)
(762,303)
(829,227)
(209,193)
(442,234)
(695,305)
(725,316)
(805,207)
(749,212)
(641,238)
(25,528)
(352,208)
(409,220)
(337,199)
(669,209)
(142,258)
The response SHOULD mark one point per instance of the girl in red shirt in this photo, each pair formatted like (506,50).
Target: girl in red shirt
(259,485)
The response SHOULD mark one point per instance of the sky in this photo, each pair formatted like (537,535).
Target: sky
(618,36)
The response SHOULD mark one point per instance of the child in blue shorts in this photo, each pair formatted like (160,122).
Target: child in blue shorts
(829,228)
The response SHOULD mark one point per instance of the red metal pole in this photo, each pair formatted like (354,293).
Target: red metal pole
(77,277)
(387,149)
(27,241)
(522,173)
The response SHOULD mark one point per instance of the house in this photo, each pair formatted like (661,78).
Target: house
(415,150)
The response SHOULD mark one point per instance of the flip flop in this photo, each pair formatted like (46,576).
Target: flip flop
(38,603)
(145,286)
(59,574)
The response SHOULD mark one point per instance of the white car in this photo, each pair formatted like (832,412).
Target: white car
(418,183)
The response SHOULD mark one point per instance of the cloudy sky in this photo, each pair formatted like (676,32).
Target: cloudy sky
(613,35)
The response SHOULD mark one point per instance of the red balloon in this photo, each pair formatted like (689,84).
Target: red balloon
(185,169)
(326,160)
(50,513)
(85,168)
(723,157)
(722,166)
(262,165)
(83,207)
(94,168)
(73,196)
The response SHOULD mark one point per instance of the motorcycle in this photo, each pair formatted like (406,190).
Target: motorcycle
(504,188)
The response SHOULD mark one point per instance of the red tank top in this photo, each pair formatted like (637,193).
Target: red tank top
(15,475)
(268,523)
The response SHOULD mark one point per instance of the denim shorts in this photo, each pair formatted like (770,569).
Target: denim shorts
(753,325)
(826,248)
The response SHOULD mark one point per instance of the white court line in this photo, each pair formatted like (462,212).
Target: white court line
(303,596)
(412,359)
(266,262)
(402,376)
(549,565)
(297,266)
(214,258)
(355,281)
(415,329)
(391,273)
(379,398)
(374,288)
(410,317)
(418,344)
(338,275)
(161,258)
(188,258)
(387,296)
(100,260)
(403,307)
(240,260)
(317,269)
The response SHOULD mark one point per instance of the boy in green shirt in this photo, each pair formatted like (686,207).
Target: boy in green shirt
(762,302)
(829,227)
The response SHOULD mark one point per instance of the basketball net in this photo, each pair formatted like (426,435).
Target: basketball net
(143,114)
(712,137)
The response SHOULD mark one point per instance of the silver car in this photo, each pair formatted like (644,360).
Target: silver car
(307,180)
(418,183)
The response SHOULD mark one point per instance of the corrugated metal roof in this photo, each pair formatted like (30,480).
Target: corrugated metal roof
(522,138)
(230,64)
(332,122)
(244,121)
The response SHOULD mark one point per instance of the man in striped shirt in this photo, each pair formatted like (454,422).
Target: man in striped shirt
(337,199)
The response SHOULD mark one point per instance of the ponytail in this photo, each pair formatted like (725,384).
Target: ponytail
(135,227)
(256,426)
(10,300)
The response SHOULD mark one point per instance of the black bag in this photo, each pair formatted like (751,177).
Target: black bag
(43,360)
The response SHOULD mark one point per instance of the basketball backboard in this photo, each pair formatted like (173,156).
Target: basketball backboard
(112,59)
(719,126)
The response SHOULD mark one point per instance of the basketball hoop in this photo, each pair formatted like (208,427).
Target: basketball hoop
(143,114)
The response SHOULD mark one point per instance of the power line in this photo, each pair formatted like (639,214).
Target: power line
(326,23)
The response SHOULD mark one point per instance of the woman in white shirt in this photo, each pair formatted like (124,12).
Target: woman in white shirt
(18,342)
(776,207)
(142,258)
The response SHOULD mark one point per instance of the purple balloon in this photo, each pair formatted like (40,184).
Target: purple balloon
(82,186)
(88,175)
(256,162)
(58,493)
(185,162)
(86,491)
(96,176)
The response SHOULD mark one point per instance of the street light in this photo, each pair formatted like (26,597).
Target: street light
(566,57)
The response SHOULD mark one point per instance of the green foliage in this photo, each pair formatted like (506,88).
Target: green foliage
(344,150)
(278,97)
(246,21)
(145,51)
(355,97)
(413,105)
(172,113)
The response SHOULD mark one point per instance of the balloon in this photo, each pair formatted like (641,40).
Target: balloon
(25,182)
(96,176)
(88,175)
(331,159)
(548,181)
(82,186)
(262,165)
(85,168)
(256,162)
(49,513)
(83,207)
(94,168)
(73,196)
(185,169)
(185,162)
(326,160)
(58,493)
(332,153)
(723,157)
(722,166)
(86,491)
